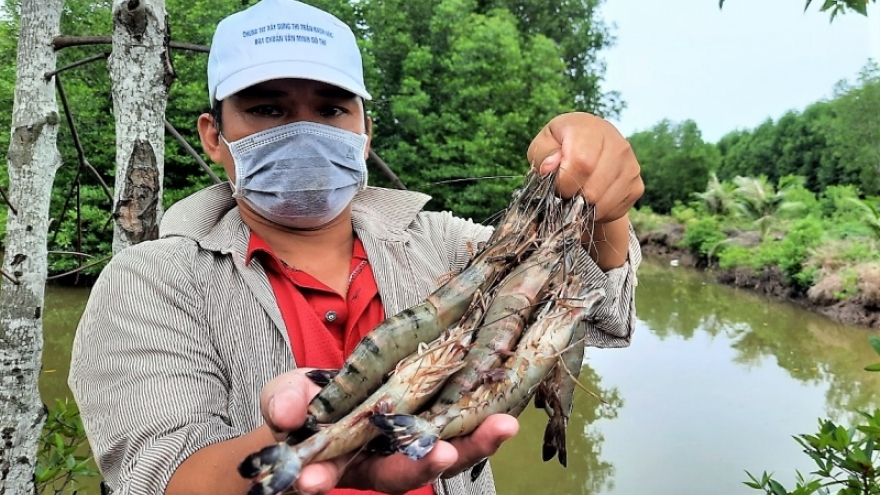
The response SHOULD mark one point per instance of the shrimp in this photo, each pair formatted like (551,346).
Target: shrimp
(512,307)
(556,396)
(399,336)
(535,356)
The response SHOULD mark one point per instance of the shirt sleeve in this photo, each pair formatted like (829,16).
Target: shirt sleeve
(144,372)
(615,319)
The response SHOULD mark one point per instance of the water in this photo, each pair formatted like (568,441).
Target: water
(716,382)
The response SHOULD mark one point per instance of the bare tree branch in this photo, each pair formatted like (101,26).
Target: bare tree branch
(84,61)
(79,224)
(80,154)
(189,149)
(71,272)
(72,253)
(386,170)
(60,42)
(9,277)
(6,199)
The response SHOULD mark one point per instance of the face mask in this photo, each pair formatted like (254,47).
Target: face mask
(300,175)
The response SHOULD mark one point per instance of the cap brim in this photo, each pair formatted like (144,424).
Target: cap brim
(250,76)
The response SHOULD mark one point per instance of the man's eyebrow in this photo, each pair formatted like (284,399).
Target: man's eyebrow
(334,92)
(256,92)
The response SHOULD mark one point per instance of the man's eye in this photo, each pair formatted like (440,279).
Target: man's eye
(333,111)
(265,110)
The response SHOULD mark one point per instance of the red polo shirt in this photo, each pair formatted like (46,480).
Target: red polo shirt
(324,326)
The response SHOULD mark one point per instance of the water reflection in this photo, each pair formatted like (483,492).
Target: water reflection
(810,348)
(519,469)
(716,382)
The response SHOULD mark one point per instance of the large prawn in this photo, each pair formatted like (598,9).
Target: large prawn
(399,336)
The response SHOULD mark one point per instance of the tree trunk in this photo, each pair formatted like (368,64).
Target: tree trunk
(33,160)
(140,72)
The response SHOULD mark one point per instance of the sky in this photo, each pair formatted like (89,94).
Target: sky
(733,68)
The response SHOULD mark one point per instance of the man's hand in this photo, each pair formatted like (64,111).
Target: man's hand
(285,402)
(593,158)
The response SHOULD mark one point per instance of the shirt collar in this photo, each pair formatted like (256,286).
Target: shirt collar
(256,244)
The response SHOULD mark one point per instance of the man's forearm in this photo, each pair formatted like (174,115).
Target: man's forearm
(213,470)
(608,243)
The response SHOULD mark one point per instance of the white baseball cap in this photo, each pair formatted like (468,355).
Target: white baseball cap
(277,39)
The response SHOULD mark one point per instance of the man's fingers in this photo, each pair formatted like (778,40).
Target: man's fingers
(397,473)
(285,400)
(388,474)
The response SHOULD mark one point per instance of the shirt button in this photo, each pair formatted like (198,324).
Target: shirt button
(331,316)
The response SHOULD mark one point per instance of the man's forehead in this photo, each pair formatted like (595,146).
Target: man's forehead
(281,88)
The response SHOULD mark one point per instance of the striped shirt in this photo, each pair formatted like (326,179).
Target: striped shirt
(180,335)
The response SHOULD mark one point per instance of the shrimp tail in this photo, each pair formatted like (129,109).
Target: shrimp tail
(281,464)
(408,434)
(554,440)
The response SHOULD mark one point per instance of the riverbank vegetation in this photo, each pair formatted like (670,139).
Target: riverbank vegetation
(790,208)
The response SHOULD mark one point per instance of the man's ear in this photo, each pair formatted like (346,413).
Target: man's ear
(210,136)
(369,131)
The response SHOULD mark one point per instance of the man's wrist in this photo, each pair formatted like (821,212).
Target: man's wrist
(608,243)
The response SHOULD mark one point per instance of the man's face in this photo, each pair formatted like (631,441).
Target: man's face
(277,102)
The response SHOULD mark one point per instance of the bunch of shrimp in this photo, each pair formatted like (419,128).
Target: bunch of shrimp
(507,328)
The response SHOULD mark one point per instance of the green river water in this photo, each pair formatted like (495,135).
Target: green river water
(716,382)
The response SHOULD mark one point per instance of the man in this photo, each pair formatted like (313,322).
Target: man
(182,361)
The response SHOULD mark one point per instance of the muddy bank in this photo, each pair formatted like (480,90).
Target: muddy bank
(859,309)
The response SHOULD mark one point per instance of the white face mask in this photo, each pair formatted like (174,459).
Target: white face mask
(300,175)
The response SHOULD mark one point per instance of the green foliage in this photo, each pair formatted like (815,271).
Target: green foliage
(793,250)
(683,213)
(702,237)
(847,461)
(790,253)
(734,256)
(718,198)
(645,220)
(829,143)
(801,201)
(875,344)
(837,203)
(758,201)
(675,161)
(447,120)
(871,214)
(63,452)
(856,131)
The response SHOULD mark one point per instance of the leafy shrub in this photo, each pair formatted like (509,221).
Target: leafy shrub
(802,202)
(702,237)
(837,204)
(804,235)
(682,213)
(790,254)
(737,256)
(62,459)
